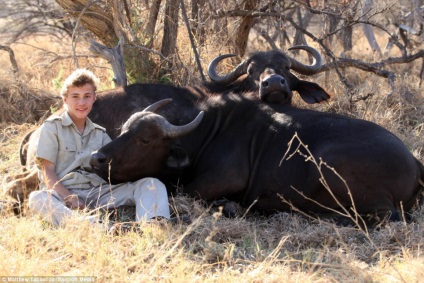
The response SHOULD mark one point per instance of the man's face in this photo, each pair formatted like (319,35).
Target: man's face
(80,101)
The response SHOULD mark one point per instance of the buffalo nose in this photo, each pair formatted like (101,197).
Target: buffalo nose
(98,159)
(274,82)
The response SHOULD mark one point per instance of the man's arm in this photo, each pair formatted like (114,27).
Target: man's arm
(53,183)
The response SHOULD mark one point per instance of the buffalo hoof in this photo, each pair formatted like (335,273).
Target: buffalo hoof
(229,208)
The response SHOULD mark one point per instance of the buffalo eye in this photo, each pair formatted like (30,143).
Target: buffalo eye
(145,141)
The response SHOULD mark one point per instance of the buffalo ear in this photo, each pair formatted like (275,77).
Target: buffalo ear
(178,158)
(311,92)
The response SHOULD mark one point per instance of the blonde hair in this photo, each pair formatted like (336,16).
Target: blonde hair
(78,78)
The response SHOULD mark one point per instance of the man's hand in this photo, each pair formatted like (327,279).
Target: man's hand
(53,183)
(74,202)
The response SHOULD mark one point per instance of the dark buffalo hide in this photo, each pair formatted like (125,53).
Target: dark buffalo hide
(274,156)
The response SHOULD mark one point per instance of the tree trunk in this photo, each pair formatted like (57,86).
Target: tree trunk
(151,24)
(170,29)
(368,30)
(94,17)
(347,32)
(106,20)
(197,26)
(115,59)
(242,33)
(299,37)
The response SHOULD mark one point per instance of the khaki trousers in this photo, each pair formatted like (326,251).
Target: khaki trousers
(148,195)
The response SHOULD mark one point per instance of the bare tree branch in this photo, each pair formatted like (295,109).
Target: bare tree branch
(193,45)
(97,18)
(327,51)
(74,32)
(369,34)
(151,23)
(376,68)
(268,38)
(12,59)
(115,59)
(25,93)
(26,18)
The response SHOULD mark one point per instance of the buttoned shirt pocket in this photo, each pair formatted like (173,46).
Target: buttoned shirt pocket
(66,153)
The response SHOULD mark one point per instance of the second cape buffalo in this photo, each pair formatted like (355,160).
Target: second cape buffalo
(257,153)
(268,73)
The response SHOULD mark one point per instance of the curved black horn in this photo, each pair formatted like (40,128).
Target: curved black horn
(228,78)
(173,131)
(155,106)
(306,69)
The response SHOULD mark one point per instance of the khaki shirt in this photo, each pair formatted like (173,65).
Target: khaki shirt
(61,144)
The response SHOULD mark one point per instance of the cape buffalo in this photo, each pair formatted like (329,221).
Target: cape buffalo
(245,150)
(268,74)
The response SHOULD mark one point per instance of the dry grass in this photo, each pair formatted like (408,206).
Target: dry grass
(281,248)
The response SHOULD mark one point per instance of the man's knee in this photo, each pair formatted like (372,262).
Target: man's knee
(37,199)
(150,183)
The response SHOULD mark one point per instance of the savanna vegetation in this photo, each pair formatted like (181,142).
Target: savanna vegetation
(377,78)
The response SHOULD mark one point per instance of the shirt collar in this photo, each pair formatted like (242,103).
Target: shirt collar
(67,121)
